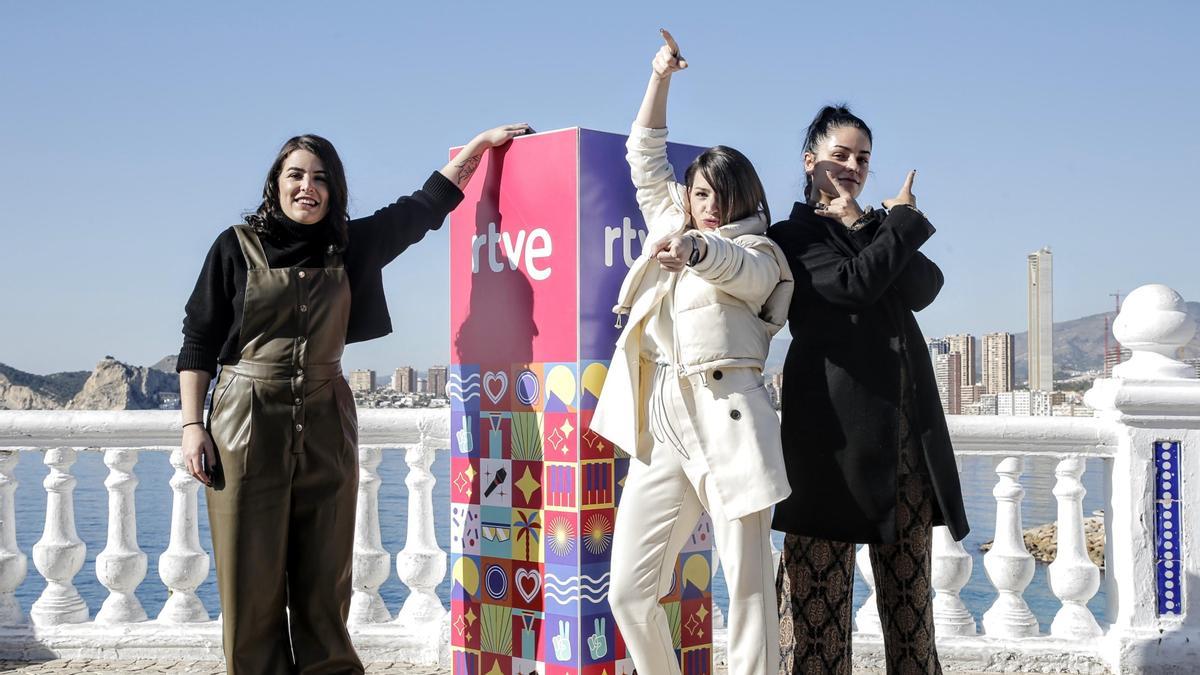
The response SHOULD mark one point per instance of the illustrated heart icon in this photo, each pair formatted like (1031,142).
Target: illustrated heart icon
(495,384)
(528,583)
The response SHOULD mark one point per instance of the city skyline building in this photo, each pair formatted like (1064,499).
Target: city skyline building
(436,378)
(1041,320)
(937,346)
(964,344)
(946,369)
(1024,403)
(362,379)
(404,380)
(997,362)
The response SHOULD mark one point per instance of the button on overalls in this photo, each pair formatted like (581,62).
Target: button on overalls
(282,503)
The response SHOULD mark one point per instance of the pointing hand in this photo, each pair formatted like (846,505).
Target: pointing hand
(668,59)
(906,195)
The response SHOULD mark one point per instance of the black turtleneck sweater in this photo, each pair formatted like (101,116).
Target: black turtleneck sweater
(213,320)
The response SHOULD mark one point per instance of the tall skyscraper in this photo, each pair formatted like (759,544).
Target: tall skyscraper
(946,369)
(437,380)
(964,344)
(937,346)
(404,380)
(1041,321)
(362,380)
(997,362)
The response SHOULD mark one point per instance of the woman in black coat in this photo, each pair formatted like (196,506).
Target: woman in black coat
(865,440)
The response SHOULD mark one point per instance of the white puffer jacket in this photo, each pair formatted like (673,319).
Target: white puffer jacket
(726,308)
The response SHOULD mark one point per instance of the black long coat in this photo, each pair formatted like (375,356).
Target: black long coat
(852,326)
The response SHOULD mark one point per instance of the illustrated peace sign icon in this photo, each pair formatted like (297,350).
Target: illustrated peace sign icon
(598,642)
(562,641)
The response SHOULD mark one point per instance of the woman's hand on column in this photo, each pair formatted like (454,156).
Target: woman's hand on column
(906,196)
(462,167)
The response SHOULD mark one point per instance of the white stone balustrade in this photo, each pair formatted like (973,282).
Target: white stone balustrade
(1009,565)
(59,554)
(422,563)
(1073,575)
(13,563)
(372,562)
(950,570)
(866,619)
(1151,398)
(121,566)
(184,565)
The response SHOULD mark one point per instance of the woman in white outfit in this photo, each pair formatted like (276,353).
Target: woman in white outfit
(684,393)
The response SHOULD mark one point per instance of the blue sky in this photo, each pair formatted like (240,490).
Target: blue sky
(132,133)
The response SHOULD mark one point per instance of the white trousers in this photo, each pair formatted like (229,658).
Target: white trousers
(659,509)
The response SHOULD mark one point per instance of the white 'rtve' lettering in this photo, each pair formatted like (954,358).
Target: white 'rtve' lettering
(532,246)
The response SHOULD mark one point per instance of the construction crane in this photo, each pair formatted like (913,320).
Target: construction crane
(1112,356)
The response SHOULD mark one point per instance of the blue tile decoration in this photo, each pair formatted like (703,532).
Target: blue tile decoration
(1168,527)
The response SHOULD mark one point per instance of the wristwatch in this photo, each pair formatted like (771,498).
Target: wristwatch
(695,255)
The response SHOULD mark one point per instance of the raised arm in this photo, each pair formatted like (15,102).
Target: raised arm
(653,112)
(649,168)
(377,239)
(462,167)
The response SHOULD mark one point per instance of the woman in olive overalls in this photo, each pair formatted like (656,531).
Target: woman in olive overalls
(278,299)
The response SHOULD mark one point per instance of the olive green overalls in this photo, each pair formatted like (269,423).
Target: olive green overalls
(282,513)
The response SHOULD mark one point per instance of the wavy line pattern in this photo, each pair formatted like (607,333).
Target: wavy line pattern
(464,390)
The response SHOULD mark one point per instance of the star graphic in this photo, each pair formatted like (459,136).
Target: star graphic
(471,616)
(459,626)
(566,428)
(528,484)
(696,623)
(556,440)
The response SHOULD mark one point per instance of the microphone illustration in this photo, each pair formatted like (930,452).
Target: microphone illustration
(501,474)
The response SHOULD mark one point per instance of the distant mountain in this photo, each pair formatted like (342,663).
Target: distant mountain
(1078,346)
(20,390)
(166,364)
(111,386)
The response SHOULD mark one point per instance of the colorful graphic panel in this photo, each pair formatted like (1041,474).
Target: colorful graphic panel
(546,221)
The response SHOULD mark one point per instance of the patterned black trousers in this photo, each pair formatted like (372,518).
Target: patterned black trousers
(816,580)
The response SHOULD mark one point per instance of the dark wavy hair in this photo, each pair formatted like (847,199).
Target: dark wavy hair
(269,214)
(829,118)
(734,181)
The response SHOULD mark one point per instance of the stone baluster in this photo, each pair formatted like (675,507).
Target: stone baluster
(1009,565)
(867,616)
(184,565)
(950,570)
(13,563)
(59,554)
(1074,578)
(371,560)
(121,566)
(422,564)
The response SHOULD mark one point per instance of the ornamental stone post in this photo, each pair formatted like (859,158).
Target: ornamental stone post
(1154,399)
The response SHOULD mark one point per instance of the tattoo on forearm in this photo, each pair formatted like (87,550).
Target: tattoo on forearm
(467,168)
